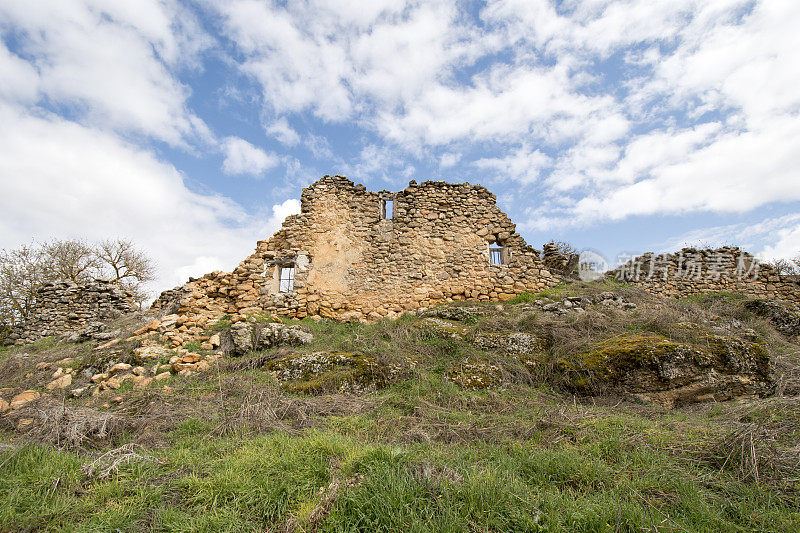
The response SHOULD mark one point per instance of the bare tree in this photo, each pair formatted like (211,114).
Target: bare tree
(21,272)
(787,267)
(121,262)
(24,269)
(72,260)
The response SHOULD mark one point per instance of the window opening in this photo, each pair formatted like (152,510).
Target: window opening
(387,209)
(286,279)
(496,255)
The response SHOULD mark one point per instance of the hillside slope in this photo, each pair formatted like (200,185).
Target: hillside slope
(590,407)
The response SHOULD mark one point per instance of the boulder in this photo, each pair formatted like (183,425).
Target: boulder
(244,337)
(654,368)
(320,372)
(154,351)
(475,375)
(191,358)
(152,326)
(144,383)
(515,343)
(60,383)
(119,367)
(24,398)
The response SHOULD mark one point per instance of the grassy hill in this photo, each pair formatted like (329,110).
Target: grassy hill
(539,414)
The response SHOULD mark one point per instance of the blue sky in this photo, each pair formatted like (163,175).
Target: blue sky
(191,126)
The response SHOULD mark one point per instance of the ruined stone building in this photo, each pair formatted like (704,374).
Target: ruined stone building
(353,254)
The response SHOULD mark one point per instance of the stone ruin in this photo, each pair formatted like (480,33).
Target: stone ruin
(357,255)
(64,307)
(692,271)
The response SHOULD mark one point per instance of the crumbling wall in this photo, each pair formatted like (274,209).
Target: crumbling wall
(65,307)
(351,263)
(692,271)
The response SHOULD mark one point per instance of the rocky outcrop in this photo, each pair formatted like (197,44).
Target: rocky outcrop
(784,319)
(319,372)
(475,375)
(245,337)
(516,343)
(658,369)
(66,308)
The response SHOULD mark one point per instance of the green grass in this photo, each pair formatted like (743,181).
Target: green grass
(603,479)
(422,453)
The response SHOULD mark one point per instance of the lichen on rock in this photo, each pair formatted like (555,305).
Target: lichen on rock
(442,328)
(244,337)
(517,343)
(321,372)
(475,375)
(658,369)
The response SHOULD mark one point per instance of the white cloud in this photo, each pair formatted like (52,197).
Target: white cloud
(523,165)
(380,162)
(241,157)
(20,80)
(110,62)
(772,238)
(283,132)
(449,159)
(64,180)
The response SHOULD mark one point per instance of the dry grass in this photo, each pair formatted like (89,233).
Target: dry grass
(110,462)
(70,427)
(266,409)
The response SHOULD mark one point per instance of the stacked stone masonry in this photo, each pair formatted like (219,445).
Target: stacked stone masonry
(353,260)
(692,271)
(65,307)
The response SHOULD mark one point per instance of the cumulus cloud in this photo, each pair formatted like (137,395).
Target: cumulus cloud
(283,132)
(66,180)
(242,158)
(109,62)
(523,165)
(772,238)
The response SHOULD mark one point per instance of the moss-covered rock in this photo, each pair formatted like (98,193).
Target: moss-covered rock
(244,337)
(320,372)
(475,375)
(668,372)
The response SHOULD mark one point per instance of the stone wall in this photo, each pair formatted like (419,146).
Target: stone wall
(65,307)
(352,263)
(692,271)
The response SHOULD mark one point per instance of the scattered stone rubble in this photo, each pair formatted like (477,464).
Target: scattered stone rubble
(579,304)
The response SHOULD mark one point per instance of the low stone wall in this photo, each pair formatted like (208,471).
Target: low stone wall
(67,307)
(693,271)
